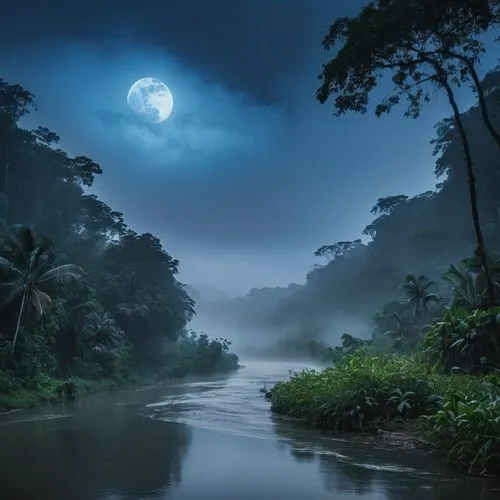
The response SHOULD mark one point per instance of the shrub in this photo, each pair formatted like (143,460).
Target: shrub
(467,427)
(360,393)
(464,340)
(197,354)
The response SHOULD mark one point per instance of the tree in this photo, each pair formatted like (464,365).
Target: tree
(99,333)
(452,28)
(388,205)
(139,287)
(15,102)
(339,249)
(468,284)
(28,267)
(325,251)
(391,35)
(418,295)
(399,330)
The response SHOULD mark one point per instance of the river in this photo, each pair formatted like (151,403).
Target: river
(206,439)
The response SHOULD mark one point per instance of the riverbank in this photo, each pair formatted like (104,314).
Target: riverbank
(54,390)
(191,354)
(458,414)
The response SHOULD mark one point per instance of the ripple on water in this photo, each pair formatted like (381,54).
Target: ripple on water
(234,405)
(34,418)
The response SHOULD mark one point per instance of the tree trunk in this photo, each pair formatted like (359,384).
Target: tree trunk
(20,315)
(482,102)
(6,211)
(481,248)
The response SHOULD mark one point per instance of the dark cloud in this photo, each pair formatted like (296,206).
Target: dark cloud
(246,44)
(250,174)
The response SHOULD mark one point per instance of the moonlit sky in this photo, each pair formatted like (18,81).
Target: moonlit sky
(250,174)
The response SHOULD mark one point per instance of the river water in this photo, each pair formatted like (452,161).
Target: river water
(206,439)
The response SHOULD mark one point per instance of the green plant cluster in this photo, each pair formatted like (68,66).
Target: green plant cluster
(440,368)
(85,302)
(195,353)
(458,413)
(359,393)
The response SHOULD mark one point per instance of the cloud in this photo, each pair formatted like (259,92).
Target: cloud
(228,182)
(83,90)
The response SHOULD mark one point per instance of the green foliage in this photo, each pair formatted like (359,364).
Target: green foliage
(467,426)
(27,266)
(349,345)
(465,340)
(359,393)
(338,250)
(197,353)
(448,378)
(419,298)
(460,414)
(423,45)
(422,234)
(417,42)
(84,300)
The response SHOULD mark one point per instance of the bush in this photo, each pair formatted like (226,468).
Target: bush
(464,340)
(467,427)
(197,354)
(360,392)
(458,413)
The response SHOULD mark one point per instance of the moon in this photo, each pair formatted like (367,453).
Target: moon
(150,99)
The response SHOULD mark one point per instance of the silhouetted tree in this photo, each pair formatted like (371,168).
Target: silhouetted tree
(397,36)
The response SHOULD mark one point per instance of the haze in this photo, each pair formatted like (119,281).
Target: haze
(180,301)
(250,174)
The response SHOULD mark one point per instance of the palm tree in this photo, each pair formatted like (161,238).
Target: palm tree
(468,283)
(100,333)
(418,296)
(399,332)
(467,291)
(27,265)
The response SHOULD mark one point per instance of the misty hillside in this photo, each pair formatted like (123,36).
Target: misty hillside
(422,234)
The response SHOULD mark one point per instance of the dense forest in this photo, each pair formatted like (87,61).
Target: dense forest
(429,279)
(83,297)
(354,282)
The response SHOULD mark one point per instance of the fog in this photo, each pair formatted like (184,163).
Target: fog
(180,300)
(256,336)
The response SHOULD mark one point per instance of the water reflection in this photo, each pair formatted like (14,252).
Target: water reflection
(135,446)
(357,464)
(111,455)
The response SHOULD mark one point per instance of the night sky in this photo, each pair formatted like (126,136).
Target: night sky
(250,174)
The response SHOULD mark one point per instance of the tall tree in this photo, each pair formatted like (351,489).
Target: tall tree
(418,293)
(389,35)
(27,267)
(339,249)
(451,30)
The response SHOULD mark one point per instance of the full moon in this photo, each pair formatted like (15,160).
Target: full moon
(150,99)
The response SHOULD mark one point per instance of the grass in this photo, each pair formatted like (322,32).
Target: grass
(459,413)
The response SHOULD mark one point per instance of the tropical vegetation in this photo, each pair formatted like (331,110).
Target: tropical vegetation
(433,359)
(85,301)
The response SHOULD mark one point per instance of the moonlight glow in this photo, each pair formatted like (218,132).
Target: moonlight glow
(151,100)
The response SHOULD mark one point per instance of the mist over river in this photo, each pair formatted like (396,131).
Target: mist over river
(211,438)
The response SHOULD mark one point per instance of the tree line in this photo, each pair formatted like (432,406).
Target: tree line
(421,47)
(81,294)
(433,360)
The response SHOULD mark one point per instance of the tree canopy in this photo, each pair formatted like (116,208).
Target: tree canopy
(420,235)
(80,292)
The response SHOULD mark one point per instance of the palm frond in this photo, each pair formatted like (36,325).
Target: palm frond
(63,274)
(7,267)
(41,302)
(11,291)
